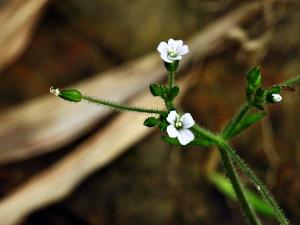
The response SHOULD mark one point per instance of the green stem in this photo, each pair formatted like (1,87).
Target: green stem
(121,106)
(234,179)
(170,80)
(245,168)
(238,188)
(278,213)
(235,120)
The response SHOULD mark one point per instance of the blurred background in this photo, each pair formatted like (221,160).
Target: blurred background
(78,164)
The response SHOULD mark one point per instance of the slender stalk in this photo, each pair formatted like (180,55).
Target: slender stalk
(121,106)
(236,120)
(170,79)
(238,188)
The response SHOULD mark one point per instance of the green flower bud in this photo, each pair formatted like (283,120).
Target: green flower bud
(71,95)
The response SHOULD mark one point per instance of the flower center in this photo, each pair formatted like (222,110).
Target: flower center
(178,124)
(173,53)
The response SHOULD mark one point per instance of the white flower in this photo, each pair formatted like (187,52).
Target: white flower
(276,97)
(179,127)
(172,51)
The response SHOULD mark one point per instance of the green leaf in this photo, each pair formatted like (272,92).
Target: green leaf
(173,92)
(254,81)
(151,122)
(223,185)
(254,77)
(71,95)
(247,122)
(155,90)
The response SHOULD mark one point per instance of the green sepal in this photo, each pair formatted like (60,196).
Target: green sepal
(71,95)
(223,185)
(195,142)
(155,90)
(247,122)
(151,122)
(173,92)
(172,67)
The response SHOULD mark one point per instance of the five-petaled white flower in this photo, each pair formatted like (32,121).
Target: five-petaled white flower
(179,127)
(276,98)
(172,51)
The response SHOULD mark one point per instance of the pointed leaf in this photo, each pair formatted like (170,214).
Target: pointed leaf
(247,122)
(155,90)
(254,77)
(173,92)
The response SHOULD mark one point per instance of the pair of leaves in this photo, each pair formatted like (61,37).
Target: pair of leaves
(164,92)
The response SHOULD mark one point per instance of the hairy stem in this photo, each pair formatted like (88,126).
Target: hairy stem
(238,188)
(245,168)
(233,176)
(230,153)
(121,107)
(278,213)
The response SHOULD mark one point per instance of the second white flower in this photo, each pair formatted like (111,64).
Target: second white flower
(179,127)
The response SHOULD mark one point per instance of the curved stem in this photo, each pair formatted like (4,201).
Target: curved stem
(121,106)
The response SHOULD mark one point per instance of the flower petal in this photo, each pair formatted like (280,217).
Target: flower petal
(183,50)
(165,57)
(187,120)
(162,47)
(172,131)
(185,136)
(171,43)
(175,44)
(172,117)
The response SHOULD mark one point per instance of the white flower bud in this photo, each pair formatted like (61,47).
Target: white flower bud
(276,98)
